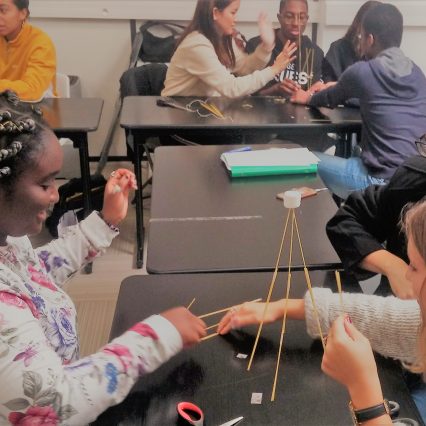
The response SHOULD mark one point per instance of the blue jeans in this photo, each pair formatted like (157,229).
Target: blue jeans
(418,392)
(344,175)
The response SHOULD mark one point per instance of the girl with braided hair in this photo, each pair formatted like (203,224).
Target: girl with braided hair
(47,383)
(27,54)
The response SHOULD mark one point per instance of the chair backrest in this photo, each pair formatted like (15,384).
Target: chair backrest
(63,86)
(146,80)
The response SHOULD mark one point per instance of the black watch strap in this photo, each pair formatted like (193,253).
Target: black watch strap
(365,414)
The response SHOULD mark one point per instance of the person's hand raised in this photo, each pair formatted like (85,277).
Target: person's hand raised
(285,57)
(267,34)
(116,195)
(190,327)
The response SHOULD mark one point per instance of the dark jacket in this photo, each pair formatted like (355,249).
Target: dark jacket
(369,218)
(308,57)
(392,94)
(340,56)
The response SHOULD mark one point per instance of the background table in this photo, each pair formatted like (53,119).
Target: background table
(211,375)
(202,220)
(142,118)
(73,118)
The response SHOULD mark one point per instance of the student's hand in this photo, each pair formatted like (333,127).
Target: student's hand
(348,357)
(252,312)
(289,87)
(394,268)
(285,57)
(190,327)
(116,195)
(267,34)
(401,287)
(301,97)
(319,85)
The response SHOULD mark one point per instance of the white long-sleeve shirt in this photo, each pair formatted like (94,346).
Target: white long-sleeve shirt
(40,371)
(195,70)
(391,324)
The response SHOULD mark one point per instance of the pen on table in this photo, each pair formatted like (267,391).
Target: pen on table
(242,149)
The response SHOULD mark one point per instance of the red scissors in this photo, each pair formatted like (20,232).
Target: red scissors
(190,413)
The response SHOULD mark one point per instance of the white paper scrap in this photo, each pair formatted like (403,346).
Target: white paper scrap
(256,398)
(242,356)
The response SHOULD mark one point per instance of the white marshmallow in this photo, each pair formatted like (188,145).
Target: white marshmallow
(292,199)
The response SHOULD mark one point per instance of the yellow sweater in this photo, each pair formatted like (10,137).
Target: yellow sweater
(28,64)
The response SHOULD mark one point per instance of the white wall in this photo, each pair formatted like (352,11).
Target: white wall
(92,37)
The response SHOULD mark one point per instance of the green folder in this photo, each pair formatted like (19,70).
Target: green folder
(243,171)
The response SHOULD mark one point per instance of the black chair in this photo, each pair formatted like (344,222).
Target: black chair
(145,80)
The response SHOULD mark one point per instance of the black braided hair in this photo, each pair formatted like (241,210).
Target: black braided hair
(21,137)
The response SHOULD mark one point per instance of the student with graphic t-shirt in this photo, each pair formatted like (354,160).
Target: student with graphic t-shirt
(305,70)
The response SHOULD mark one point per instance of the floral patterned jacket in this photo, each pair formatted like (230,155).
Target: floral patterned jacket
(43,380)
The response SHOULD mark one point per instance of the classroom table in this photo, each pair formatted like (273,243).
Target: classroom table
(204,221)
(142,118)
(211,374)
(74,118)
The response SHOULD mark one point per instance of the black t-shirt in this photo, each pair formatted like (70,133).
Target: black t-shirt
(340,56)
(306,69)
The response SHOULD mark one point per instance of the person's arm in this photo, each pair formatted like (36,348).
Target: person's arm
(39,73)
(370,217)
(394,268)
(260,56)
(81,243)
(253,312)
(347,87)
(389,323)
(39,385)
(200,60)
(360,227)
(348,359)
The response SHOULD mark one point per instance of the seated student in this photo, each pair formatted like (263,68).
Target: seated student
(392,94)
(39,347)
(365,232)
(345,52)
(27,55)
(390,324)
(208,62)
(306,69)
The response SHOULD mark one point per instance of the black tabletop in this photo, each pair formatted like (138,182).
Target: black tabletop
(250,113)
(215,378)
(72,114)
(204,221)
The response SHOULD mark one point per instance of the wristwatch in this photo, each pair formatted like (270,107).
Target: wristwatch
(365,414)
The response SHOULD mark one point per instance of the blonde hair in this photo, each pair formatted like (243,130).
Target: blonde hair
(414,224)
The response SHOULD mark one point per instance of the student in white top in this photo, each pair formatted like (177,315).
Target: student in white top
(208,61)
